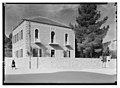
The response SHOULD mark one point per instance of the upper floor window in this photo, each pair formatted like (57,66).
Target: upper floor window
(52,36)
(16,53)
(36,33)
(66,38)
(17,36)
(15,39)
(21,34)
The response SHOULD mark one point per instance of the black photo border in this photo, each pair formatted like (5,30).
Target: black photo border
(3,20)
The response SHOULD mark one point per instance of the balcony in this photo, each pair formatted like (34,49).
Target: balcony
(67,44)
(37,41)
(54,44)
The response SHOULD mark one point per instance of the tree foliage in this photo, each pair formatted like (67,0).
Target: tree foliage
(88,30)
(8,41)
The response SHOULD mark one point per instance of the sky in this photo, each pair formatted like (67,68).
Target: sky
(64,13)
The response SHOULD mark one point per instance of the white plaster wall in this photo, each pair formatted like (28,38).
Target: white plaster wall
(59,63)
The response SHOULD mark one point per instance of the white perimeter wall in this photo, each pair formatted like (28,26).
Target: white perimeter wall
(60,63)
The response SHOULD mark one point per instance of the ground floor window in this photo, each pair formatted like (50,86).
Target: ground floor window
(40,52)
(52,53)
(37,52)
(16,53)
(19,53)
(66,53)
(69,53)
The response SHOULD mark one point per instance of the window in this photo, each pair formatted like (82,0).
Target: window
(13,39)
(36,33)
(52,36)
(69,53)
(40,52)
(52,53)
(66,53)
(17,37)
(35,52)
(21,52)
(66,38)
(16,53)
(21,34)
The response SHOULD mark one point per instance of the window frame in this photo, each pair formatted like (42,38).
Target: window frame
(37,34)
(51,37)
(34,53)
(21,36)
(17,37)
(66,42)
(21,52)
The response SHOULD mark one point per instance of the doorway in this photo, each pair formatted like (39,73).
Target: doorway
(52,53)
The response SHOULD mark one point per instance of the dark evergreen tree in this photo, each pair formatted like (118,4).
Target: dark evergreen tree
(89,31)
(10,42)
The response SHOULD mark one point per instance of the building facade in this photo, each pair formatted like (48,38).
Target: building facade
(42,37)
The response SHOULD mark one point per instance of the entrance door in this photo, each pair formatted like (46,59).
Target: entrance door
(52,53)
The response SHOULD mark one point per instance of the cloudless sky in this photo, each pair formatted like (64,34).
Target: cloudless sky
(64,13)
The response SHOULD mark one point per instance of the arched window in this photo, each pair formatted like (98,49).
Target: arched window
(66,38)
(36,33)
(52,36)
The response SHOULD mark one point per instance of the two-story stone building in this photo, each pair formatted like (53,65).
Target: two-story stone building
(42,37)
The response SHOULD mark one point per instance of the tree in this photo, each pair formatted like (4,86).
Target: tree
(10,36)
(88,30)
(10,42)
